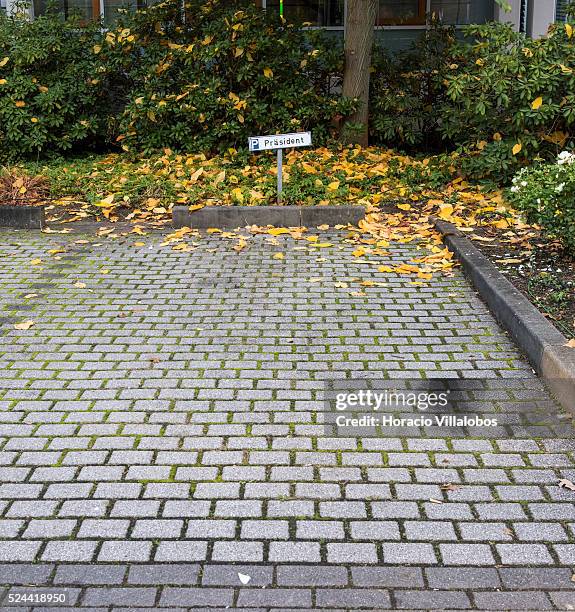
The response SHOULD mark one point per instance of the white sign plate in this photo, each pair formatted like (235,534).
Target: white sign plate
(279,141)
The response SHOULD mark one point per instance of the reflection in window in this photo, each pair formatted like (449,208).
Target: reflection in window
(401,12)
(84,9)
(111,8)
(317,12)
(459,12)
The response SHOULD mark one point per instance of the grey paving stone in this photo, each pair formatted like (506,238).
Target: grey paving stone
(185,574)
(441,600)
(289,598)
(188,597)
(125,550)
(265,530)
(467,578)
(353,598)
(120,596)
(90,574)
(19,573)
(304,575)
(181,551)
(61,550)
(544,578)
(237,551)
(408,554)
(392,577)
(533,600)
(524,554)
(297,552)
(466,554)
(228,575)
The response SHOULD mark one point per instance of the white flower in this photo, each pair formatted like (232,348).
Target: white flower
(559,188)
(565,157)
(523,183)
(514,189)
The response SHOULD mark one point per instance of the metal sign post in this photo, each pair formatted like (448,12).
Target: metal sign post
(280,175)
(278,143)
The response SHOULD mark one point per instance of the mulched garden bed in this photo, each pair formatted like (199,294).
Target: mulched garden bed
(539,268)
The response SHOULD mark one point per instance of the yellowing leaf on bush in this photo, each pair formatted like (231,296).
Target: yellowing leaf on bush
(517,148)
(97,49)
(569,30)
(237,195)
(25,324)
(537,103)
(238,52)
(268,73)
(3,81)
(20,103)
(4,61)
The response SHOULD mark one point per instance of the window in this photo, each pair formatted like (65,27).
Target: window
(401,12)
(2,5)
(327,13)
(111,8)
(84,9)
(561,10)
(460,12)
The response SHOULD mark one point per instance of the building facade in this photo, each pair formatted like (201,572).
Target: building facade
(401,20)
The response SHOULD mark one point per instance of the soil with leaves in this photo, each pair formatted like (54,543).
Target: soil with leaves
(402,195)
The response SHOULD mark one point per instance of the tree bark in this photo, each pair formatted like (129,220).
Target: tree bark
(360,21)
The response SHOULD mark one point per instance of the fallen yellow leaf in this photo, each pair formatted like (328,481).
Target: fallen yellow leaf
(278,256)
(24,325)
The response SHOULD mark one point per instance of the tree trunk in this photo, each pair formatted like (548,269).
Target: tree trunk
(360,21)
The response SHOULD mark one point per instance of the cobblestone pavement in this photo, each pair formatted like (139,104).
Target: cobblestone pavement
(162,436)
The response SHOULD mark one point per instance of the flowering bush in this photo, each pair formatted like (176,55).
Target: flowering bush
(546,193)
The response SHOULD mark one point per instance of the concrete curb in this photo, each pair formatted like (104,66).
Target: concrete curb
(230,217)
(22,217)
(541,342)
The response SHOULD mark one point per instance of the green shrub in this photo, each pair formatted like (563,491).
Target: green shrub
(496,96)
(510,98)
(229,71)
(546,193)
(51,95)
(406,89)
